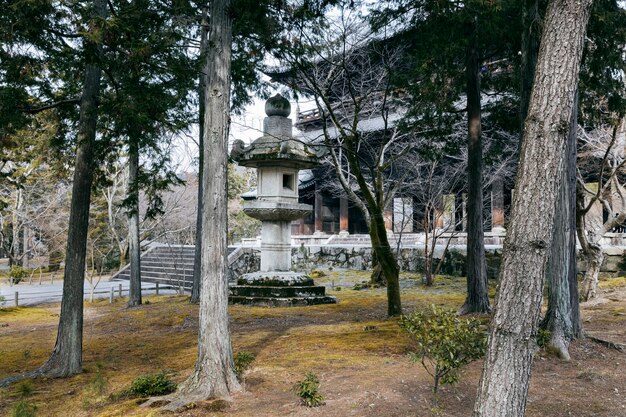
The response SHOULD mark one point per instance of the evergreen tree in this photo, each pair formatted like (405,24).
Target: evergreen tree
(472,55)
(512,342)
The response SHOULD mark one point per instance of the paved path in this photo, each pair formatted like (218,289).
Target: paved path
(48,293)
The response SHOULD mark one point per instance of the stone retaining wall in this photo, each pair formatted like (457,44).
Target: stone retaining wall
(306,258)
(359,257)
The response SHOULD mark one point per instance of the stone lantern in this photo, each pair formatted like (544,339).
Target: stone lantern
(278,157)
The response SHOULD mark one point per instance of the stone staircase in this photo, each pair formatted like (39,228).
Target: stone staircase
(173,265)
(167,265)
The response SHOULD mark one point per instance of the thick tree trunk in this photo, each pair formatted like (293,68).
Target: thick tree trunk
(593,261)
(214,375)
(66,358)
(387,262)
(512,343)
(560,316)
(195,289)
(477,300)
(134,294)
(558,319)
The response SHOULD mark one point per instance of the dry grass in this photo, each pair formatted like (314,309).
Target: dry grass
(358,353)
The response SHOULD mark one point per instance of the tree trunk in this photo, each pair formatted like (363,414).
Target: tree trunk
(134,250)
(531,34)
(195,288)
(377,278)
(387,262)
(590,249)
(214,375)
(558,319)
(15,256)
(428,254)
(66,358)
(503,387)
(477,300)
(561,269)
(593,261)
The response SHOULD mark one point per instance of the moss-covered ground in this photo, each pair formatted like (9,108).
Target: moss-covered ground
(359,355)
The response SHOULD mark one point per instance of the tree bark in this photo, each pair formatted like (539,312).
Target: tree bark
(387,262)
(503,387)
(66,358)
(375,206)
(593,261)
(477,300)
(590,249)
(204,40)
(15,257)
(561,318)
(134,294)
(214,374)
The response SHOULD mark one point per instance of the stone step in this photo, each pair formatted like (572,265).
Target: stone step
(169,257)
(174,281)
(283,301)
(156,267)
(277,292)
(149,275)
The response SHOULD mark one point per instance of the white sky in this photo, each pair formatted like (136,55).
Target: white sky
(247,127)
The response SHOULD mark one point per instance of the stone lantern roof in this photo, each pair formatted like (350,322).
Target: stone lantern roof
(276,147)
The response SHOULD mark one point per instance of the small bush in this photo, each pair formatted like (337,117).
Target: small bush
(17,273)
(2,300)
(152,384)
(243,360)
(23,408)
(308,391)
(444,342)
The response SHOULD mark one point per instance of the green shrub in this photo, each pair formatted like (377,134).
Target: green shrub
(152,384)
(17,273)
(444,342)
(308,391)
(243,360)
(23,408)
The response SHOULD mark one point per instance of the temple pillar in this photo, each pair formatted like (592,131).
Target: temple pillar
(343,215)
(448,212)
(497,205)
(319,217)
(438,213)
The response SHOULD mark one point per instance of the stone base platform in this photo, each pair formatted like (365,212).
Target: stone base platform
(278,289)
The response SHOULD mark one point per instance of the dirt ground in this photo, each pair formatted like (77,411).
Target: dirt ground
(358,354)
